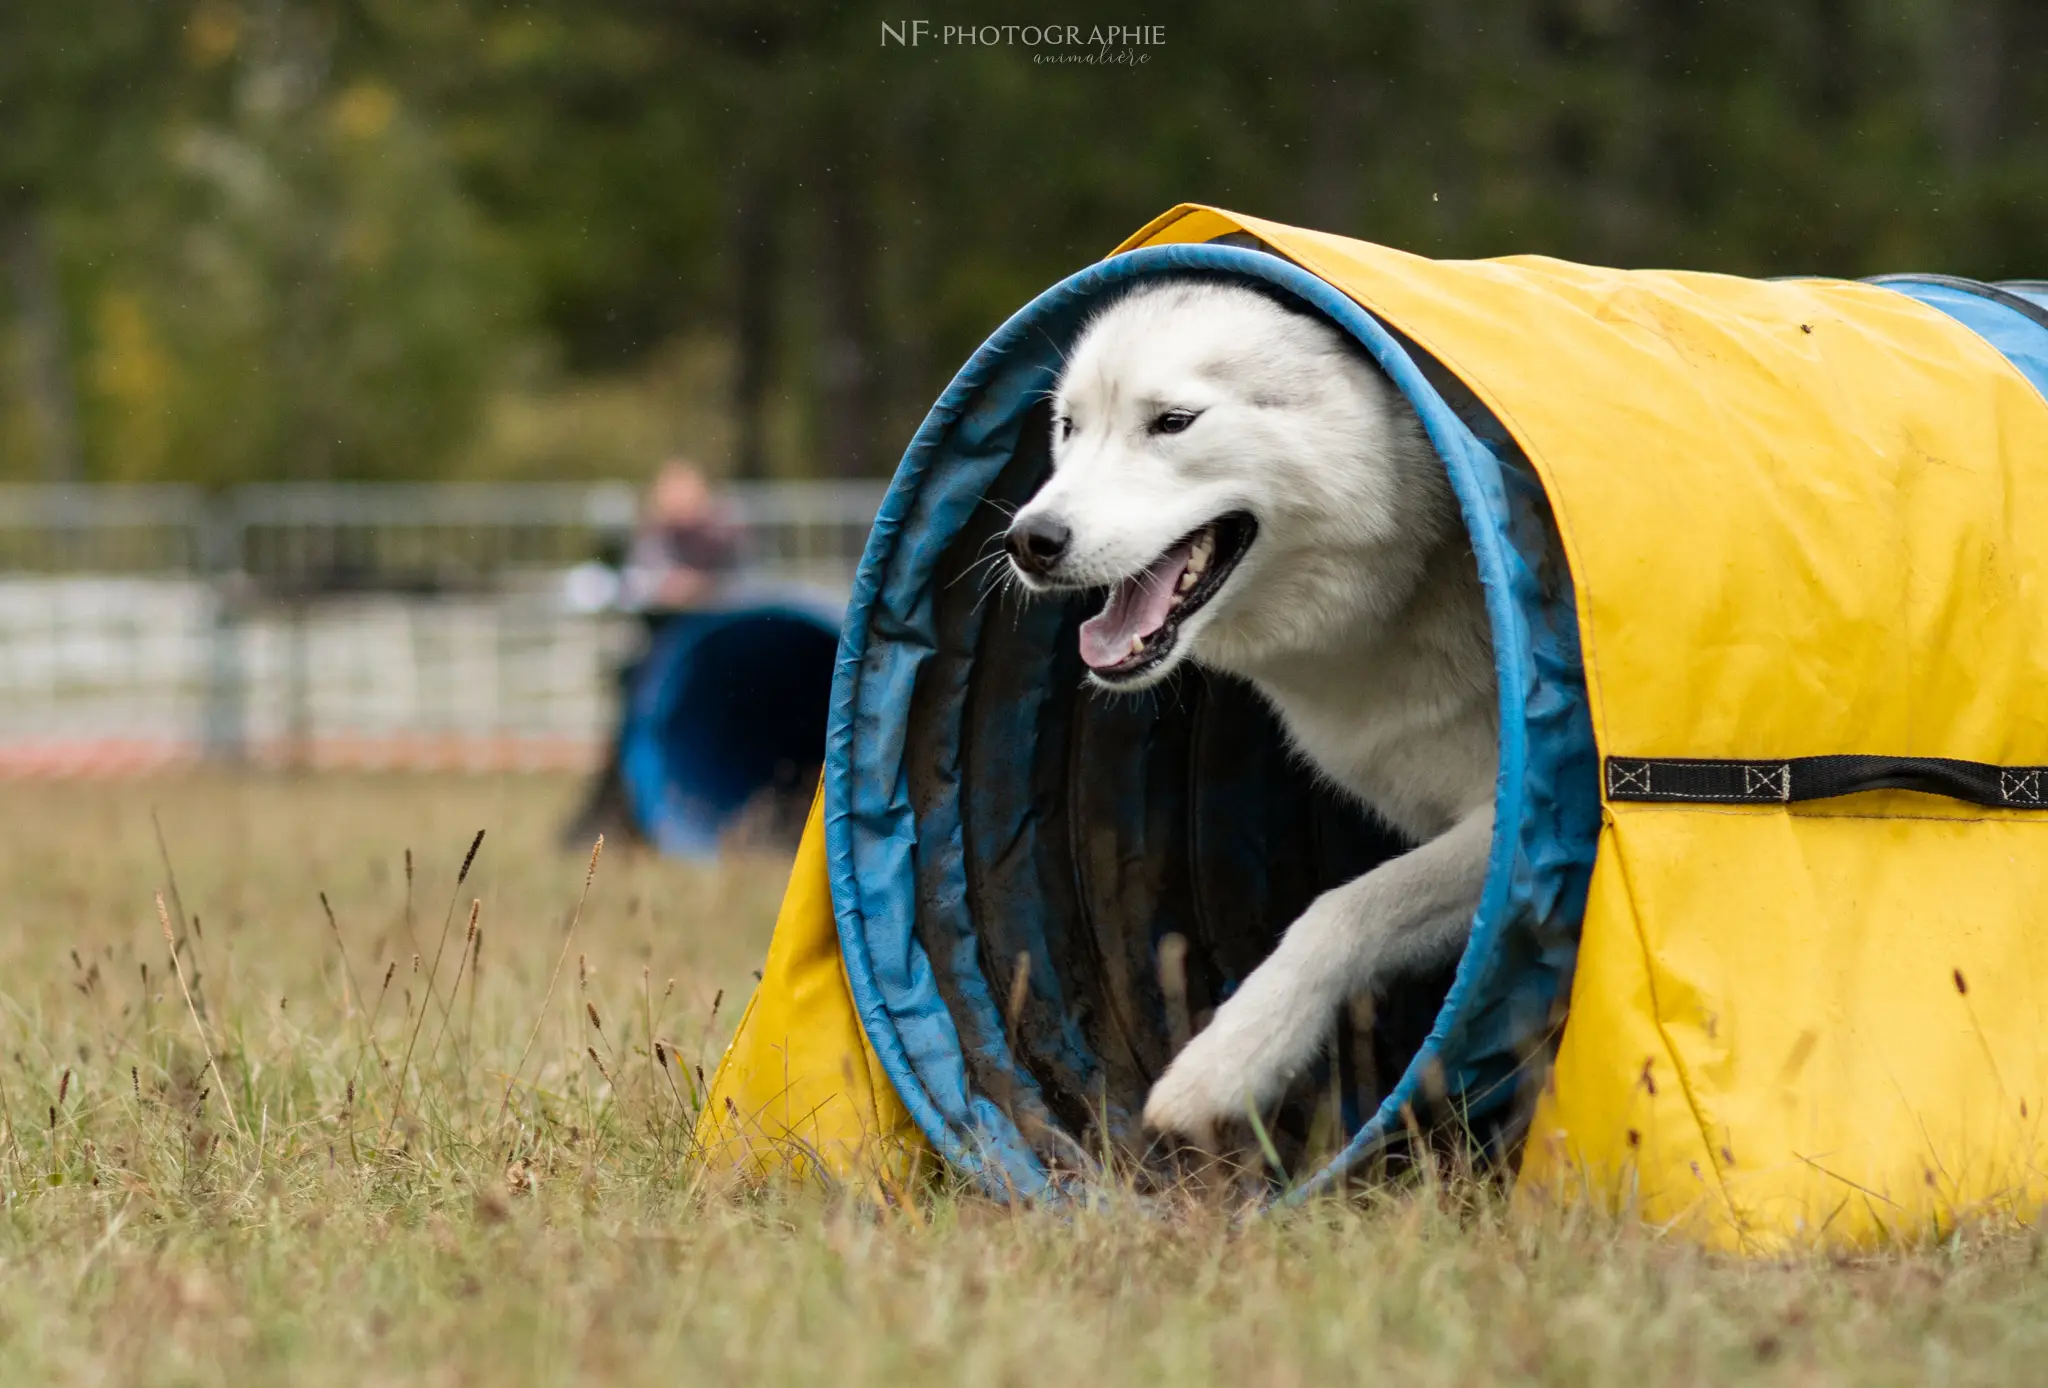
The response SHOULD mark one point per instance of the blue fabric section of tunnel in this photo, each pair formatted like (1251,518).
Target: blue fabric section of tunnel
(726,702)
(899,851)
(2020,337)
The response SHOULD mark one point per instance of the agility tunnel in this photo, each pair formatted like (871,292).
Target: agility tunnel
(1756,956)
(727,703)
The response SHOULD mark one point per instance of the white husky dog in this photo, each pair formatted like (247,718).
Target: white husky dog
(1258,498)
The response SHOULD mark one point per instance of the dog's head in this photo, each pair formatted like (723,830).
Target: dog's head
(1243,481)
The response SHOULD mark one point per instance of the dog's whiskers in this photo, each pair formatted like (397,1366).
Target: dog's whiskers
(1060,352)
(1002,581)
(979,564)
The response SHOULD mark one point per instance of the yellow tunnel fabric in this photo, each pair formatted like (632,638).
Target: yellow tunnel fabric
(1803,518)
(800,1093)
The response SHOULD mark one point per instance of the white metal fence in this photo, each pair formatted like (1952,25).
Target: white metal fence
(404,626)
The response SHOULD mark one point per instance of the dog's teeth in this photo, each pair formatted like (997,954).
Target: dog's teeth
(1197,562)
(1187,578)
(1137,645)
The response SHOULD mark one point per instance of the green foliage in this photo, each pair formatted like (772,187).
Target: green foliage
(295,286)
(338,237)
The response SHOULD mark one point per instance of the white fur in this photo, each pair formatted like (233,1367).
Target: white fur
(1356,612)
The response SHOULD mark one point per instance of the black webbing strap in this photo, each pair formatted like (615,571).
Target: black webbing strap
(1679,780)
(1709,781)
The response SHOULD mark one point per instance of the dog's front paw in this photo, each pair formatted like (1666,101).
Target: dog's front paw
(1205,1090)
(1242,1061)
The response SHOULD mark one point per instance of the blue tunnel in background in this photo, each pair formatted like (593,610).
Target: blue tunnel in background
(726,704)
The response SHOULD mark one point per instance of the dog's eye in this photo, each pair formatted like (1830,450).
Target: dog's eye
(1065,425)
(1172,422)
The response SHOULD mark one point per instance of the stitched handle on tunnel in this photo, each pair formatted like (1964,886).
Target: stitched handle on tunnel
(1700,780)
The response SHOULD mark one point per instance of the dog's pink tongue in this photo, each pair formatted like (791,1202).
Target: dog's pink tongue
(1137,607)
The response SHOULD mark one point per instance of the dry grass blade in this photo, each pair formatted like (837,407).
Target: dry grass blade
(1020,993)
(568,938)
(660,1057)
(1173,986)
(433,972)
(447,1005)
(476,907)
(476,968)
(163,850)
(370,1030)
(408,916)
(647,1013)
(348,969)
(226,1099)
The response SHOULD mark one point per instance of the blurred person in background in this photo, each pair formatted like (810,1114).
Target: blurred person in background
(686,546)
(684,551)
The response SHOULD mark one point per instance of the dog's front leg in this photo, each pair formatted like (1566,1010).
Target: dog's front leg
(1414,909)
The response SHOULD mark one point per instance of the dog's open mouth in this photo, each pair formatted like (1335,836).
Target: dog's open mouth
(1138,626)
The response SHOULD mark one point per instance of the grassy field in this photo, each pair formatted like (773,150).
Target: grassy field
(306,1176)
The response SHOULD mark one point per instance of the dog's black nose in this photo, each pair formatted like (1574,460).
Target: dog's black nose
(1037,544)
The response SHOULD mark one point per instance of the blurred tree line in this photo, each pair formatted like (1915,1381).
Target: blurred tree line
(417,238)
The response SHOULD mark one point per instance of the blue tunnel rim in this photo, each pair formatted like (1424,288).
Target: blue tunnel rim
(1015,1169)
